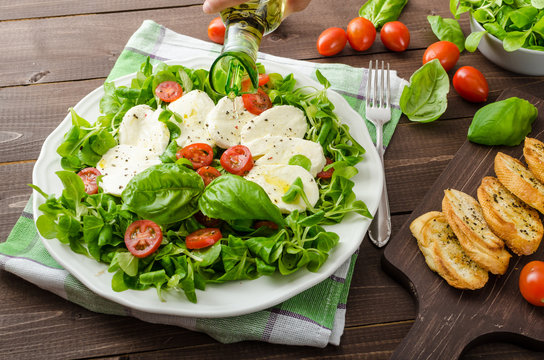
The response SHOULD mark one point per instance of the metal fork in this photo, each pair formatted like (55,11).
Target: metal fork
(378,111)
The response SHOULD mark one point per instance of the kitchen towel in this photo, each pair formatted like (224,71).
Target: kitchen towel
(315,317)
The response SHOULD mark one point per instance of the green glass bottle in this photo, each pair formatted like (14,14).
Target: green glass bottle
(245,26)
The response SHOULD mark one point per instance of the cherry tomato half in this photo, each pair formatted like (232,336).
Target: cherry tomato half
(203,238)
(257,103)
(328,173)
(265,223)
(445,51)
(200,154)
(216,30)
(471,84)
(331,41)
(263,80)
(531,282)
(206,220)
(169,91)
(237,160)
(143,238)
(208,173)
(395,36)
(361,34)
(89,175)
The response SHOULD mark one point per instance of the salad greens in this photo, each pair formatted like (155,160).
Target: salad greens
(425,99)
(505,122)
(380,12)
(517,23)
(448,30)
(172,195)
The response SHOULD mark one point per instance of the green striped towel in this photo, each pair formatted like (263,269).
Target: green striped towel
(293,322)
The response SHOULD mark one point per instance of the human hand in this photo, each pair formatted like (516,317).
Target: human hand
(215,6)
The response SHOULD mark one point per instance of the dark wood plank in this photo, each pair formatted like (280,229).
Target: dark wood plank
(450,320)
(14,194)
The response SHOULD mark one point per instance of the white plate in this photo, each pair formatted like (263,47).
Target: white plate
(218,300)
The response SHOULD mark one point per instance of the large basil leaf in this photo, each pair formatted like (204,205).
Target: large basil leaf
(425,99)
(231,197)
(164,193)
(380,12)
(447,30)
(505,122)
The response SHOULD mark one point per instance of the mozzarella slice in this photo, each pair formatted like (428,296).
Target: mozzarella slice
(193,108)
(226,120)
(141,127)
(276,180)
(283,120)
(121,163)
(280,149)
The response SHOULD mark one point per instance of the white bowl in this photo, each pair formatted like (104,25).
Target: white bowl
(521,61)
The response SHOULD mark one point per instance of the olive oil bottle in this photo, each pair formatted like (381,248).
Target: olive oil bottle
(245,26)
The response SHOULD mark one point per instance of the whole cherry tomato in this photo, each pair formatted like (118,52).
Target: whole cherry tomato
(200,154)
(203,238)
(331,41)
(445,51)
(143,237)
(361,34)
(471,84)
(169,91)
(216,30)
(89,175)
(395,36)
(531,282)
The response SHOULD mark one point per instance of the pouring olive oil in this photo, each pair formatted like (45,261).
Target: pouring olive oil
(245,26)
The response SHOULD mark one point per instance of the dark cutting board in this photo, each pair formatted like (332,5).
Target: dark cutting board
(450,320)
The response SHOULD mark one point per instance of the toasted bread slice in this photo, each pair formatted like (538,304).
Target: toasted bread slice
(464,214)
(533,150)
(520,181)
(443,253)
(510,218)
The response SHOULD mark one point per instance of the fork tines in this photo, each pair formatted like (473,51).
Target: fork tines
(381,94)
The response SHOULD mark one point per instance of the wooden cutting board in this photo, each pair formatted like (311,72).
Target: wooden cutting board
(450,320)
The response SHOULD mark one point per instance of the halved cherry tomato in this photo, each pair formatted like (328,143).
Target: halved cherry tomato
(531,282)
(328,173)
(216,30)
(395,36)
(257,103)
(208,173)
(471,84)
(203,238)
(265,223)
(169,91)
(263,80)
(206,220)
(331,41)
(89,175)
(237,160)
(143,238)
(445,51)
(200,154)
(361,34)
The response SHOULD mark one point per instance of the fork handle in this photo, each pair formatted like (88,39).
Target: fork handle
(380,228)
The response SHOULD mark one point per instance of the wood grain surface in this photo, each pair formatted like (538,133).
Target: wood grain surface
(54,52)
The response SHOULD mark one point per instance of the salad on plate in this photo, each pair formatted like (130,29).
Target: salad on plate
(175,187)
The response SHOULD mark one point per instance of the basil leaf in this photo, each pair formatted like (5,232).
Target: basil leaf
(164,193)
(447,30)
(425,99)
(505,122)
(380,12)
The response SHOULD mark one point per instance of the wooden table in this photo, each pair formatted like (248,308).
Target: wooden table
(55,52)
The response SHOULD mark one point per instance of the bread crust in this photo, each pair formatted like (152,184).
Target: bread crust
(533,150)
(510,218)
(443,253)
(520,181)
(465,216)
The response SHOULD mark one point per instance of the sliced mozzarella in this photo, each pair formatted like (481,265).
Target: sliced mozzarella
(119,165)
(226,120)
(276,180)
(283,120)
(141,127)
(280,149)
(193,108)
